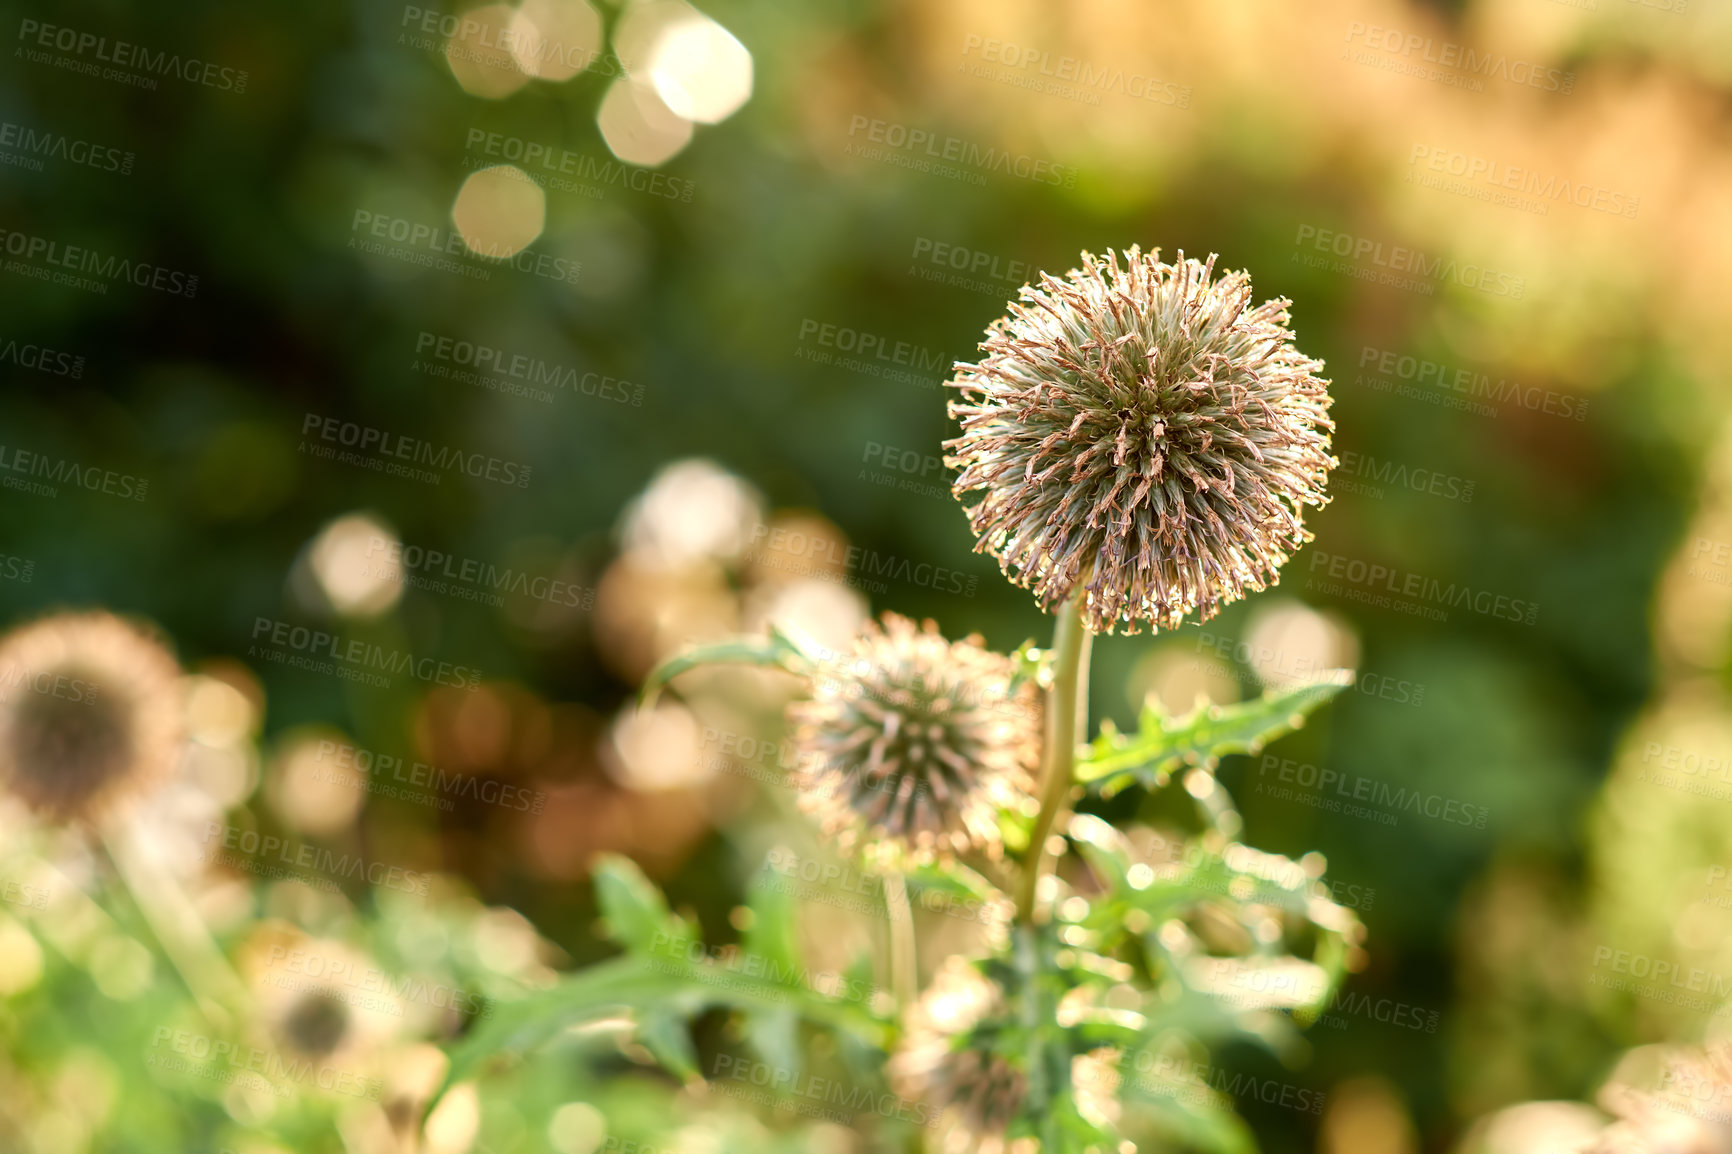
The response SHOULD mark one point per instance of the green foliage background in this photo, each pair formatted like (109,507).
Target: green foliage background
(702,303)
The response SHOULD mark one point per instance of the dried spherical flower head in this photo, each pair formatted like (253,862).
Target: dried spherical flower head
(916,741)
(304,988)
(1143,437)
(947,1061)
(90,711)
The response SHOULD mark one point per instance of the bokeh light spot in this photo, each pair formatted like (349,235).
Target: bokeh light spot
(639,127)
(499,211)
(354,560)
(555,39)
(700,70)
(315,785)
(480,56)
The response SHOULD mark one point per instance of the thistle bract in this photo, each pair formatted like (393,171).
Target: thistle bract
(1141,436)
(915,741)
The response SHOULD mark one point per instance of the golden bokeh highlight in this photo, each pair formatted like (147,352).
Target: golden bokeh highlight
(480,56)
(555,39)
(354,559)
(700,70)
(313,787)
(499,211)
(693,511)
(1289,643)
(639,127)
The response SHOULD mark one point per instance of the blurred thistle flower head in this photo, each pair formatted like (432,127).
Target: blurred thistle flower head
(915,742)
(1141,436)
(975,1091)
(320,999)
(91,711)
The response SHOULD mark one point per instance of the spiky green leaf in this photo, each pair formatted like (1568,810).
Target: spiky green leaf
(1201,737)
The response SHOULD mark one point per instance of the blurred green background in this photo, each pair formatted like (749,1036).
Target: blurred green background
(899,169)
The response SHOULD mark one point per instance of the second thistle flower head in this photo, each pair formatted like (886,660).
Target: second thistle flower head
(916,740)
(1140,434)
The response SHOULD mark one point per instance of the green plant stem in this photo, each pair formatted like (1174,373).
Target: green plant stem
(1066,706)
(176,923)
(904,981)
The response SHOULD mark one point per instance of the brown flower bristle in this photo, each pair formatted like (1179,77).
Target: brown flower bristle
(1142,437)
(916,740)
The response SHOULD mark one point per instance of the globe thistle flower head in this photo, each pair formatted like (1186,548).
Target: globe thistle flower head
(317,1023)
(946,1059)
(319,1000)
(90,711)
(1142,436)
(915,742)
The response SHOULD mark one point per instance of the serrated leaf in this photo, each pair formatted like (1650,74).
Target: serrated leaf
(665,1036)
(771,934)
(774,1036)
(1202,737)
(637,915)
(779,650)
(516,1027)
